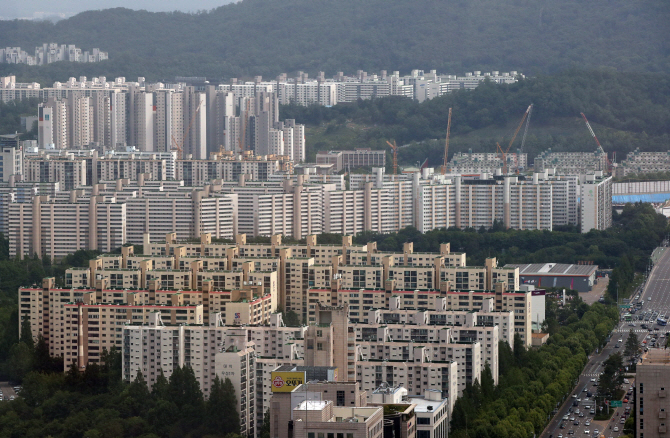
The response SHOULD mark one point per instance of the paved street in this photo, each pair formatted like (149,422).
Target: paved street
(655,301)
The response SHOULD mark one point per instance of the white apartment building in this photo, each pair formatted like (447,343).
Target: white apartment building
(637,162)
(572,163)
(211,351)
(57,226)
(596,202)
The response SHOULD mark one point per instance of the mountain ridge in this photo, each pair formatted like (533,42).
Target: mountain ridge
(267,37)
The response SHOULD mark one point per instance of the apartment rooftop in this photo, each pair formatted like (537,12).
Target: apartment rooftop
(657,356)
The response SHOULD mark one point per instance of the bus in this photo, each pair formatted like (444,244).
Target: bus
(628,317)
(661,321)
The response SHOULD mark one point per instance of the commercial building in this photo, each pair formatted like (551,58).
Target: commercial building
(652,381)
(578,277)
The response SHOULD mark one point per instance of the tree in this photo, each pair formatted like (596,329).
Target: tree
(221,411)
(20,363)
(632,344)
(160,388)
(291,319)
(26,333)
(265,428)
(611,378)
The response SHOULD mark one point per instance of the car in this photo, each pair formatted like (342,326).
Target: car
(620,340)
(578,400)
(581,414)
(572,418)
(625,400)
(616,428)
(616,346)
(631,324)
(565,417)
(561,426)
(571,432)
(587,423)
(593,379)
(589,394)
(574,395)
(595,432)
(560,435)
(623,420)
(587,432)
(576,423)
(592,412)
(575,403)
(648,298)
(644,342)
(627,408)
(626,381)
(11,397)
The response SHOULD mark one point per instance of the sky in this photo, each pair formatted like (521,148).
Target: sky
(45,9)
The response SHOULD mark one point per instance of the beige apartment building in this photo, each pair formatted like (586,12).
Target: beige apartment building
(652,382)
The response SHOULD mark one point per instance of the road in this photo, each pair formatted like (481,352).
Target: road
(655,301)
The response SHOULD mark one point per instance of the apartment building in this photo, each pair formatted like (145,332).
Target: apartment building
(596,202)
(476,163)
(572,163)
(651,394)
(105,218)
(360,157)
(50,52)
(637,162)
(229,167)
(67,170)
(159,347)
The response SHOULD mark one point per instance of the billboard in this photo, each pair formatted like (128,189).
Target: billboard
(287,381)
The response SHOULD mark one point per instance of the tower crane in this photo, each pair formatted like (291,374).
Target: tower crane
(593,134)
(504,153)
(395,156)
(525,130)
(180,147)
(446,144)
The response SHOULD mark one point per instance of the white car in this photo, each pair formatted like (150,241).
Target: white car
(616,428)
(587,431)
(620,339)
(587,423)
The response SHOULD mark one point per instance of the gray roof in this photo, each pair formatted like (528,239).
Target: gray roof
(554,269)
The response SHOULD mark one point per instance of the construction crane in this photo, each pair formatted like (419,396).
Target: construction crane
(446,144)
(180,147)
(525,130)
(395,156)
(504,153)
(593,134)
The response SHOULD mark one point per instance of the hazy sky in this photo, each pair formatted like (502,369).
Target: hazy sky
(10,9)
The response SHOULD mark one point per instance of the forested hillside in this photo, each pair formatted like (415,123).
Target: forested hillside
(268,37)
(626,111)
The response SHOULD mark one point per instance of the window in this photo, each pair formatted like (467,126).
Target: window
(420,420)
(340,399)
(319,346)
(310,435)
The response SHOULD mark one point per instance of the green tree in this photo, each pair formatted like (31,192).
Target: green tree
(265,427)
(291,319)
(632,344)
(221,412)
(20,363)
(26,333)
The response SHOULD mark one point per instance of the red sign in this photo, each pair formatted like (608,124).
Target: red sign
(278,382)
